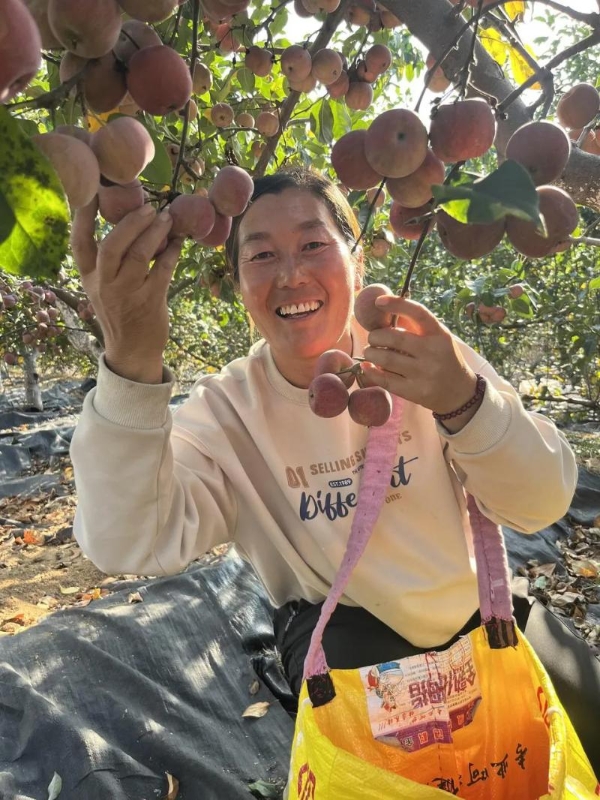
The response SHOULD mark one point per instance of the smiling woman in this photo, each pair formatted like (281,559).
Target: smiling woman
(291,254)
(244,459)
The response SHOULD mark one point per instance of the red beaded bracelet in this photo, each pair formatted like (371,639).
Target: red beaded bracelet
(479,392)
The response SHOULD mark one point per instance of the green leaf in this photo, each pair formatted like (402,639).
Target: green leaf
(522,306)
(279,23)
(507,190)
(34,232)
(160,169)
(341,119)
(325,131)
(246,79)
(595,283)
(55,787)
(263,789)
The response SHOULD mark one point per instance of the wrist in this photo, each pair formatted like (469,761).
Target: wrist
(453,421)
(137,370)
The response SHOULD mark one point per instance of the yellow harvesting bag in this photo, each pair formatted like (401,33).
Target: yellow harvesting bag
(479,720)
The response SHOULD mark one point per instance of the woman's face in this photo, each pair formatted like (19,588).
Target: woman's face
(297,279)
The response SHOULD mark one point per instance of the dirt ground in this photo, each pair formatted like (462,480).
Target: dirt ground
(42,568)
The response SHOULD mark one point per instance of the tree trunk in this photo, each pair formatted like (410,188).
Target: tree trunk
(33,394)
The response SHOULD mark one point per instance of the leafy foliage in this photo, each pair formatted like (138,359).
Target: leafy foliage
(551,331)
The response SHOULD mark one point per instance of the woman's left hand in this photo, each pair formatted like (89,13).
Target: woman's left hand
(418,359)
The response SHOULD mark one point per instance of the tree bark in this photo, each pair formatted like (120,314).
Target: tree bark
(435,24)
(33,394)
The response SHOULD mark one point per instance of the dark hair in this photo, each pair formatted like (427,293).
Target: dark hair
(297,177)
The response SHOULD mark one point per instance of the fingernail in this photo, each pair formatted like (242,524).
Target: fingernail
(164,216)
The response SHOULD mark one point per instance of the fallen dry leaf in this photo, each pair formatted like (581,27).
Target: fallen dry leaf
(585,568)
(257,710)
(47,601)
(69,589)
(135,597)
(547,570)
(254,687)
(172,787)
(20,619)
(33,537)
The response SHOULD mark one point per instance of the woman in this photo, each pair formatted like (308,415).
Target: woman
(245,460)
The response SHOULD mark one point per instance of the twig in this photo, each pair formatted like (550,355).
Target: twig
(327,30)
(177,288)
(591,19)
(193,355)
(585,130)
(551,399)
(72,302)
(49,99)
(464,79)
(176,26)
(413,261)
(271,16)
(369,215)
(585,240)
(579,47)
(186,114)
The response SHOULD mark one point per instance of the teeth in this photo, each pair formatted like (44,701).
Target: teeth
(302,308)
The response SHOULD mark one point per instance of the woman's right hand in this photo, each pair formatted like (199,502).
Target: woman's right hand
(129,296)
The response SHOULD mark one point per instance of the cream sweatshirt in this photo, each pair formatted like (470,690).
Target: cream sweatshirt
(245,460)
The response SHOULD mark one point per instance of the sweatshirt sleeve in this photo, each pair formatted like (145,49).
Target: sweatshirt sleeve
(517,465)
(148,503)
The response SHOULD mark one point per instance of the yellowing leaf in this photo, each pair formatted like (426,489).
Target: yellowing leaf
(69,589)
(495,45)
(257,710)
(521,69)
(97,121)
(515,9)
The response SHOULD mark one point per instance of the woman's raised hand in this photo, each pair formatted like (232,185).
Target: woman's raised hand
(418,359)
(129,296)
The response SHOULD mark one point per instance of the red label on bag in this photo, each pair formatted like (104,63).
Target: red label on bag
(307,783)
(420,700)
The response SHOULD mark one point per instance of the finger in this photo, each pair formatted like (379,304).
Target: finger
(374,376)
(164,266)
(83,237)
(411,315)
(115,245)
(136,264)
(397,339)
(390,360)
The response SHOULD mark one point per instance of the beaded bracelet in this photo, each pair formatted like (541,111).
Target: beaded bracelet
(479,392)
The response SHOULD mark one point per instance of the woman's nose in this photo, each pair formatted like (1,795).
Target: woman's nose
(291,271)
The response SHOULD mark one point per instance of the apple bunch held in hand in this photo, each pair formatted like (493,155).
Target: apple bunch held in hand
(336,372)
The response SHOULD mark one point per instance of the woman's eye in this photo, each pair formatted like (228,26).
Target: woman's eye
(314,245)
(262,255)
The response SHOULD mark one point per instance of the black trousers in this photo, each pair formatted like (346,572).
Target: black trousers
(355,638)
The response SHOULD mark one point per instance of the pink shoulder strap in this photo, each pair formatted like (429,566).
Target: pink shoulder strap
(490,553)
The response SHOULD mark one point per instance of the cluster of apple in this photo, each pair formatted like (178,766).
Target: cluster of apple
(116,58)
(398,148)
(330,69)
(108,163)
(336,372)
(35,315)
(362,13)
